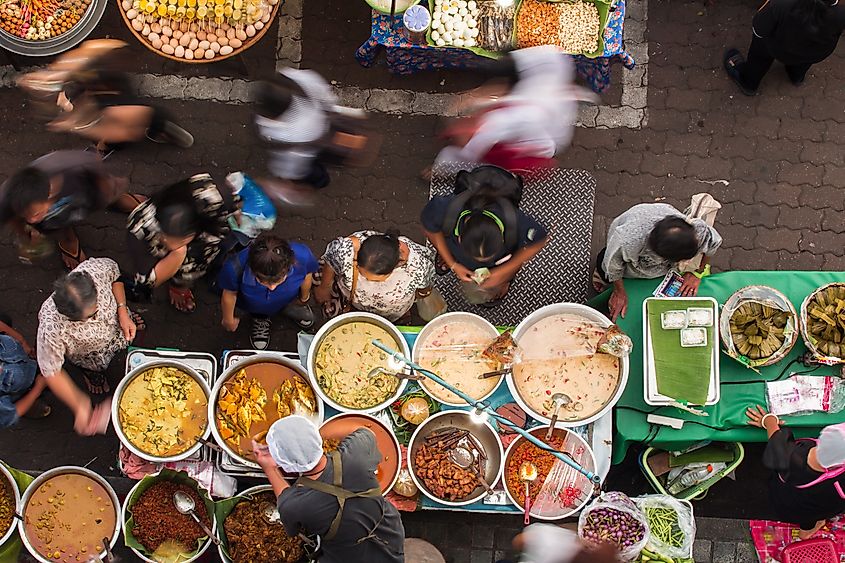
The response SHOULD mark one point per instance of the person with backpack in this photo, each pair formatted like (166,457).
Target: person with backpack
(647,242)
(480,233)
(798,33)
(807,486)
(270,277)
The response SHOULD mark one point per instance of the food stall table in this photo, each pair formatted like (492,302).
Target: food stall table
(740,387)
(598,435)
(406,57)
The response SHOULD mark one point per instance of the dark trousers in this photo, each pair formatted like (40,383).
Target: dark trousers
(759,61)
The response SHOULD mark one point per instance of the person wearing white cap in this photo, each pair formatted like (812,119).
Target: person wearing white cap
(807,486)
(335,496)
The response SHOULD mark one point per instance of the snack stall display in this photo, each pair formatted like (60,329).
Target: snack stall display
(198,31)
(48,27)
(462,33)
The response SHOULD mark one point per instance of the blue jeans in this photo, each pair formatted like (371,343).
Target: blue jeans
(17,374)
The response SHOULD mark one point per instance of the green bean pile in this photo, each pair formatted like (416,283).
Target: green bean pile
(664,526)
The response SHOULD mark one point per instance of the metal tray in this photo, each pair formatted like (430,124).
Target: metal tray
(650,394)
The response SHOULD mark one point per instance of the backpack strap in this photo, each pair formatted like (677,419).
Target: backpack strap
(828,474)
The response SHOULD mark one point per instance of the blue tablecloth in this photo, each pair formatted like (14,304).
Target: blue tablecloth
(406,57)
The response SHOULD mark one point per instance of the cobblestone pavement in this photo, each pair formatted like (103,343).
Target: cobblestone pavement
(776,162)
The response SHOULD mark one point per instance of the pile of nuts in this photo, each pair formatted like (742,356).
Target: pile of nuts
(192,29)
(573,26)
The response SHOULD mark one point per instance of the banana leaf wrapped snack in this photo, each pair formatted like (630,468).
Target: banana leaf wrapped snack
(758,326)
(823,321)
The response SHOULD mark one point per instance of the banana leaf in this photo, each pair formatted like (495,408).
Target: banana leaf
(164,475)
(10,551)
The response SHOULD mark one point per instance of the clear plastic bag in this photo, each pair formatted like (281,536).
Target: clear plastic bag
(432,305)
(766,297)
(670,536)
(614,518)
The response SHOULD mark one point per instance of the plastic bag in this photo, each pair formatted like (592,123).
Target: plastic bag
(765,296)
(432,305)
(658,510)
(613,517)
(257,210)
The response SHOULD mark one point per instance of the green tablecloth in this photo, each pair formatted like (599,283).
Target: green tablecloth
(727,418)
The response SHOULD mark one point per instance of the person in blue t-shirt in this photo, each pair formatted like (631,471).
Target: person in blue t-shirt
(20,383)
(272,276)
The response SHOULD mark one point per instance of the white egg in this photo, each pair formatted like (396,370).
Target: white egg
(458,42)
(436,15)
(471,23)
(462,4)
(435,35)
(440,29)
(449,26)
(453,10)
(469,42)
(472,5)
(474,33)
(459,26)
(463,12)
(447,37)
(467,34)
(440,43)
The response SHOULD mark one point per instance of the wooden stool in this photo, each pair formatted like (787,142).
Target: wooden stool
(420,551)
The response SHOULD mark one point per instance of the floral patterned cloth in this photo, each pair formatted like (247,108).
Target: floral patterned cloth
(393,297)
(89,344)
(405,57)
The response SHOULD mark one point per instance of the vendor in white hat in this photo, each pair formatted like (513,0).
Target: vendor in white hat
(808,481)
(335,496)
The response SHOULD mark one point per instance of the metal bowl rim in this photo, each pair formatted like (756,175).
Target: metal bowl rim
(63,470)
(118,393)
(434,323)
(123,517)
(259,358)
(390,433)
(16,491)
(341,320)
(66,41)
(221,531)
(590,314)
(419,483)
(521,438)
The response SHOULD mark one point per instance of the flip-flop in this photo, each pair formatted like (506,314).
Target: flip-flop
(140,324)
(79,256)
(731,61)
(186,295)
(440,267)
(96,382)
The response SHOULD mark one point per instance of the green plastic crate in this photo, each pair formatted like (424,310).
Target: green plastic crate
(697,491)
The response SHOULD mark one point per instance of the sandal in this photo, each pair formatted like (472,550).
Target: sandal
(182,299)
(599,285)
(440,267)
(731,61)
(72,260)
(140,324)
(96,382)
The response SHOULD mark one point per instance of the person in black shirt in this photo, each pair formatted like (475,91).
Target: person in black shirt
(798,33)
(806,486)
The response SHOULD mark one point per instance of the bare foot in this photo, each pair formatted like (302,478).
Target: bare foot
(807,534)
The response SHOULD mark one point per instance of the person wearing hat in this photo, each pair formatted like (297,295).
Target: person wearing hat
(808,484)
(336,496)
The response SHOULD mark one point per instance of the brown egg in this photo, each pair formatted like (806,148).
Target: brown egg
(204,45)
(199,53)
(137,25)
(259,25)
(226,50)
(189,55)
(173,42)
(215,47)
(201,35)
(153,36)
(157,43)
(156,27)
(177,34)
(236,43)
(230,33)
(193,44)
(211,37)
(185,40)
(146,30)
(167,48)
(222,41)
(240,34)
(179,51)
(166,31)
(250,31)
(209,54)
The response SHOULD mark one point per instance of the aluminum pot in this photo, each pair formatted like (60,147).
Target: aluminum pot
(336,323)
(63,470)
(481,431)
(259,358)
(13,485)
(118,393)
(63,42)
(589,314)
(141,556)
(588,462)
(221,531)
(457,316)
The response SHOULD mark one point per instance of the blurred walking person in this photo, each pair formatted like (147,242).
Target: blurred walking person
(798,33)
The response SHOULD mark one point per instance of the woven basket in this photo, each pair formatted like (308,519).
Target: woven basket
(810,340)
(247,44)
(819,550)
(760,294)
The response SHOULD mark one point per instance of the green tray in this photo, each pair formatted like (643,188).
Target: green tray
(603,8)
(371,4)
(695,492)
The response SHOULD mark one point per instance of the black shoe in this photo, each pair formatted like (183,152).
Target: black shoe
(173,134)
(731,61)
(260,337)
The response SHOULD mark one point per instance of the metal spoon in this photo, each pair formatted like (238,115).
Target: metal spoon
(271,513)
(464,459)
(401,375)
(186,505)
(210,444)
(560,400)
(527,474)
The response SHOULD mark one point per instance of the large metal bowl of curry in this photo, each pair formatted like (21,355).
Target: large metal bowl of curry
(192,443)
(271,369)
(348,335)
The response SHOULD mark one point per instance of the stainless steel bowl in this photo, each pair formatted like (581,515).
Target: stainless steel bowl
(63,470)
(457,316)
(118,393)
(590,314)
(63,42)
(399,343)
(16,493)
(125,518)
(481,431)
(588,462)
(259,358)
(221,530)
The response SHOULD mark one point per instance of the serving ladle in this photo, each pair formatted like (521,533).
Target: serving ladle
(186,505)
(527,474)
(464,459)
(560,401)
(271,513)
(400,375)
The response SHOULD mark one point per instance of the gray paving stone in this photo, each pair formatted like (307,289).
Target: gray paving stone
(745,553)
(481,556)
(724,552)
(702,551)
